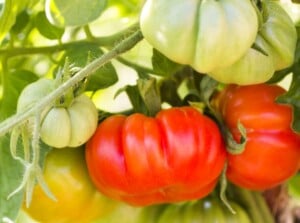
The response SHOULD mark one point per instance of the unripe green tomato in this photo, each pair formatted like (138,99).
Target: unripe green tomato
(207,210)
(277,38)
(33,92)
(71,126)
(207,35)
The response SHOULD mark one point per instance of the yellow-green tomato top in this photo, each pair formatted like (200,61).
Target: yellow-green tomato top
(66,175)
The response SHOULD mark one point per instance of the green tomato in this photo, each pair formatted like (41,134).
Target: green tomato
(61,127)
(33,92)
(277,39)
(207,35)
(71,126)
(207,210)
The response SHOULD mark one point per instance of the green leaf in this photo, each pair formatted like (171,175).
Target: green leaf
(46,28)
(14,84)
(74,12)
(10,177)
(80,56)
(294,186)
(162,65)
(150,95)
(21,22)
(135,98)
(9,12)
(292,97)
(10,169)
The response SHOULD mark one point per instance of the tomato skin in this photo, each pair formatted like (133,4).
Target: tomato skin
(78,200)
(175,156)
(272,151)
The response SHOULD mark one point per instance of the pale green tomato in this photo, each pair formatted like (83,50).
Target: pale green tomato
(60,127)
(207,210)
(33,92)
(277,38)
(71,126)
(207,35)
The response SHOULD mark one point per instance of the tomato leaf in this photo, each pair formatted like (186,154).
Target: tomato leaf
(74,12)
(10,177)
(8,14)
(150,94)
(135,98)
(162,65)
(10,169)
(15,83)
(80,56)
(292,96)
(21,21)
(46,28)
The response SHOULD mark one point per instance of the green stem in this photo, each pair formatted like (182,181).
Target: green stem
(122,47)
(101,41)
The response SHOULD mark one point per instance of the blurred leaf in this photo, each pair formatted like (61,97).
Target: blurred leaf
(294,186)
(9,12)
(81,55)
(279,75)
(162,65)
(11,170)
(127,7)
(46,28)
(150,94)
(135,98)
(16,81)
(10,177)
(21,21)
(74,12)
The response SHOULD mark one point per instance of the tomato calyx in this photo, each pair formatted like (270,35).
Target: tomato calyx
(234,147)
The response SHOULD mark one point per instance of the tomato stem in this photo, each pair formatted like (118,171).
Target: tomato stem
(122,47)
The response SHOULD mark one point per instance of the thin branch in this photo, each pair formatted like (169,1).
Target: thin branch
(122,47)
(101,41)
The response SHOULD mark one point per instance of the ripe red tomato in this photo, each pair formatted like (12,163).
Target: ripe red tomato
(175,156)
(272,151)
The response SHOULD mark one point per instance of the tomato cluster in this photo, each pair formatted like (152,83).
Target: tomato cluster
(179,154)
(233,41)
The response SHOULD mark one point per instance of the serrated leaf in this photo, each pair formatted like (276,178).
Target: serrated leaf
(9,12)
(162,65)
(80,55)
(46,28)
(74,12)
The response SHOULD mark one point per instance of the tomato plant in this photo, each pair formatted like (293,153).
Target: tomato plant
(66,66)
(222,30)
(77,199)
(62,125)
(176,156)
(271,154)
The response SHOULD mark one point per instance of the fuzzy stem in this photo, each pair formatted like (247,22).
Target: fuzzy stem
(122,47)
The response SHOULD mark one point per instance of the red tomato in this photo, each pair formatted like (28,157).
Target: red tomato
(176,156)
(272,151)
